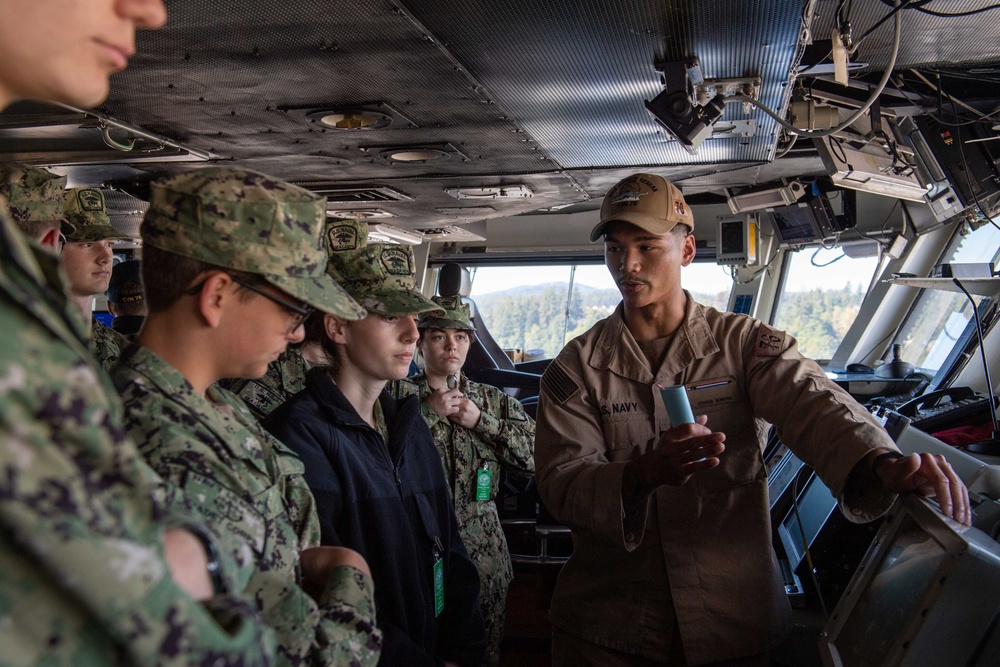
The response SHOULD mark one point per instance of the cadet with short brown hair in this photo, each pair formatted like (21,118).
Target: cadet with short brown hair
(233,262)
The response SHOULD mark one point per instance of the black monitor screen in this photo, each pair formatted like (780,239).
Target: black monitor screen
(892,598)
(795,224)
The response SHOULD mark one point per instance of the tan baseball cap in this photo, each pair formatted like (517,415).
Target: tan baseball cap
(647,201)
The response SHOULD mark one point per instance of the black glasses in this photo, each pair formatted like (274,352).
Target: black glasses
(298,313)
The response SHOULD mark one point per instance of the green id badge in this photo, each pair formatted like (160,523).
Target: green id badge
(484,479)
(438,585)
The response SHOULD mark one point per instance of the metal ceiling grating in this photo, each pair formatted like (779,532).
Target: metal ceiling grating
(580,96)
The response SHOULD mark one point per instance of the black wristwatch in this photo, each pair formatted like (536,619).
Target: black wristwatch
(213,567)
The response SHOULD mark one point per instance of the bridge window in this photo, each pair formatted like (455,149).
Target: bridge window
(820,297)
(544,307)
(939,320)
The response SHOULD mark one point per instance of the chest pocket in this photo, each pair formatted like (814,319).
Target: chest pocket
(232,512)
(627,429)
(728,411)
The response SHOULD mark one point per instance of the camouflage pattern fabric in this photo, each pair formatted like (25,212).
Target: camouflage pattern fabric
(345,235)
(105,344)
(248,221)
(457,315)
(84,579)
(381,278)
(251,489)
(84,209)
(504,437)
(32,194)
(285,377)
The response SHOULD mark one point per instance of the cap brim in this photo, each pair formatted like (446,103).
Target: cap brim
(322,293)
(87,234)
(398,302)
(434,322)
(649,223)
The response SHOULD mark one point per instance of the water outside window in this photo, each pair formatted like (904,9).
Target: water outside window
(525,307)
(821,297)
(938,318)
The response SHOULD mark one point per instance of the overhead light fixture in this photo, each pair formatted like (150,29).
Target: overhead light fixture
(390,234)
(765,198)
(416,153)
(466,211)
(491,192)
(349,119)
(450,233)
(359,213)
(411,155)
(674,110)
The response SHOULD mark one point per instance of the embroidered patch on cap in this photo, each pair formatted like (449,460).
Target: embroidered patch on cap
(396,262)
(91,199)
(342,237)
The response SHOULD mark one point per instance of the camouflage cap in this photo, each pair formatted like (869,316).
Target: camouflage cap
(344,237)
(246,221)
(84,209)
(126,282)
(380,277)
(345,234)
(456,315)
(32,194)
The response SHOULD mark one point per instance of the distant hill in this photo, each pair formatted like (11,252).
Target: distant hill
(535,317)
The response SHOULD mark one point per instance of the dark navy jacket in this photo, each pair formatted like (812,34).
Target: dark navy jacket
(390,502)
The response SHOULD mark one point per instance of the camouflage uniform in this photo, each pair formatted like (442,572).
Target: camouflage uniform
(105,344)
(85,581)
(211,450)
(503,437)
(250,488)
(285,377)
(85,211)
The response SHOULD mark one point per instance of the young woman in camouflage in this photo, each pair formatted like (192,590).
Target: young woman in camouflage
(478,430)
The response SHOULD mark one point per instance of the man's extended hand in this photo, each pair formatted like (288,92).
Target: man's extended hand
(928,475)
(681,452)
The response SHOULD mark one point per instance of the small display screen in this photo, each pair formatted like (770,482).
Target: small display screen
(794,223)
(731,241)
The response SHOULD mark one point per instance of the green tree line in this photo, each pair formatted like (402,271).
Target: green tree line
(536,318)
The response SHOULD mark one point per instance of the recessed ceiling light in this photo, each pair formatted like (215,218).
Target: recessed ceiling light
(412,155)
(349,119)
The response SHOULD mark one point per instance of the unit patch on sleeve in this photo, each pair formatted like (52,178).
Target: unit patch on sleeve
(558,384)
(770,342)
